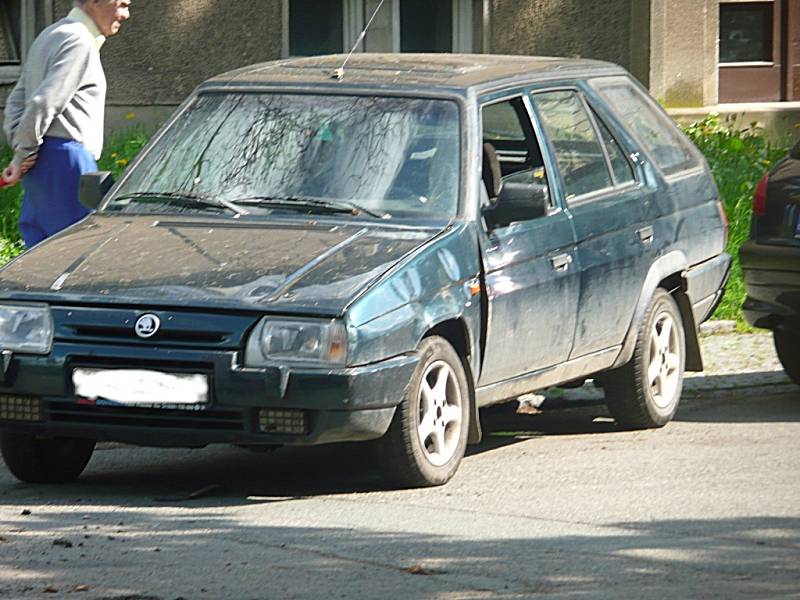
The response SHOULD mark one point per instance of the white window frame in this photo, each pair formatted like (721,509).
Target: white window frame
(10,73)
(352,24)
(462,26)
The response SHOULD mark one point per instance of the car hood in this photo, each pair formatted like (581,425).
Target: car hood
(292,266)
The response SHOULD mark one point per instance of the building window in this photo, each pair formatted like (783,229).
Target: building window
(332,26)
(426,26)
(321,26)
(20,21)
(745,32)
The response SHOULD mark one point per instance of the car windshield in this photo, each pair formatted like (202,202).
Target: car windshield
(251,152)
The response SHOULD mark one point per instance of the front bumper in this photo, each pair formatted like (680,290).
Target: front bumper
(351,404)
(772,280)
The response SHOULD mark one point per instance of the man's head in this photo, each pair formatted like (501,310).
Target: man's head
(108,15)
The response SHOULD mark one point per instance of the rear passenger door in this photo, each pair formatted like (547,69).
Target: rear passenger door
(610,210)
(532,276)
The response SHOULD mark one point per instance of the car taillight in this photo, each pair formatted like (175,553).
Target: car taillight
(760,197)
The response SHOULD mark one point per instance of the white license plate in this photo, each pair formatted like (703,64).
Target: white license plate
(138,386)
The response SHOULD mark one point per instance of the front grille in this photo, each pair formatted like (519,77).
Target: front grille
(157,418)
(126,334)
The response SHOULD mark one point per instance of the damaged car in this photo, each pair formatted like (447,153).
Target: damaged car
(305,255)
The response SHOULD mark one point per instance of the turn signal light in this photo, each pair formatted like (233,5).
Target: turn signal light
(293,422)
(20,408)
(760,197)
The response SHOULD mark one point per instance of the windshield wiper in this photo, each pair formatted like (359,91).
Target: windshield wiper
(187,197)
(305,202)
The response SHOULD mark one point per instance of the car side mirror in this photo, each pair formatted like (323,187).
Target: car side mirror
(795,152)
(518,202)
(93,188)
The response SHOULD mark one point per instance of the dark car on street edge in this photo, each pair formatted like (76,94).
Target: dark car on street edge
(771,260)
(303,255)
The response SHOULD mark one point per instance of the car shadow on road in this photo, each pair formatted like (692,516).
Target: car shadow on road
(223,475)
(752,557)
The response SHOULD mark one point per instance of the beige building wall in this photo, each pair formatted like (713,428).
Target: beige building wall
(612,30)
(684,42)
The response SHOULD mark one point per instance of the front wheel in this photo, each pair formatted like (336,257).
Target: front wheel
(428,435)
(36,459)
(645,392)
(788,349)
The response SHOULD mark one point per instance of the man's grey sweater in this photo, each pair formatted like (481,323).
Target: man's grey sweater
(61,92)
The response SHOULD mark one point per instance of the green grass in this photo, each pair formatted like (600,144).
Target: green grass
(738,159)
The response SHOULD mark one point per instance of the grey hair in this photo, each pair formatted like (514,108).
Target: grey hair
(79,2)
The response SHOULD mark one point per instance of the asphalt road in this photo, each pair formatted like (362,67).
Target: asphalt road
(557,504)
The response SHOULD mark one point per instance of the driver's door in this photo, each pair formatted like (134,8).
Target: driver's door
(532,278)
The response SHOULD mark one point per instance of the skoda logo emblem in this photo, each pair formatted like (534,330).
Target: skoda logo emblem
(147,326)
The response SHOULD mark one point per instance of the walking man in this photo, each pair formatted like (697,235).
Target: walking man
(54,116)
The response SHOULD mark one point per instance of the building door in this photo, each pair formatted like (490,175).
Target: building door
(759,50)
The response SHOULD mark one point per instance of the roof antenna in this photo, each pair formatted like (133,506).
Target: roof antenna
(339,73)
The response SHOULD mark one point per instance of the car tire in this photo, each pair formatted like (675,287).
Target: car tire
(788,349)
(428,434)
(45,460)
(644,393)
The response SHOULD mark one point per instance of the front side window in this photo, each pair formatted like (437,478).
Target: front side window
(391,156)
(577,148)
(651,126)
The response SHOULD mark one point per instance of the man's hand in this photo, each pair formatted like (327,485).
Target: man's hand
(12,173)
(15,169)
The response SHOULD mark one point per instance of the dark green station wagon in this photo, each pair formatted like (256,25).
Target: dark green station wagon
(303,256)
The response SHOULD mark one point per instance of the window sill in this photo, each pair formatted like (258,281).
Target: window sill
(745,65)
(9,74)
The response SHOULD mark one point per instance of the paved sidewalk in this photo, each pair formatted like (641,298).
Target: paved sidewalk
(732,361)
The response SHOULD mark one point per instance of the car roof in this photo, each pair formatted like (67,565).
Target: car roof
(453,72)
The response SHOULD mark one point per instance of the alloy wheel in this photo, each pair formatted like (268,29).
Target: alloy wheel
(439,418)
(664,370)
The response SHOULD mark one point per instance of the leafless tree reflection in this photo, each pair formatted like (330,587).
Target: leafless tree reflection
(389,154)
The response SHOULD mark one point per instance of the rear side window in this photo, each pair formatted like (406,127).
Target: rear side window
(668,147)
(623,172)
(577,148)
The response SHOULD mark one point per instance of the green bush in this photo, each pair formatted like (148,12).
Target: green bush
(738,158)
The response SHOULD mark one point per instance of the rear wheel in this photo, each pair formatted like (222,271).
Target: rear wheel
(428,435)
(36,459)
(788,349)
(645,392)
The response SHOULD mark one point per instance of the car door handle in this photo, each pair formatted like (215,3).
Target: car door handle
(646,235)
(561,262)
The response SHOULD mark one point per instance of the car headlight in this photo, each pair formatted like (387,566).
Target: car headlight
(317,342)
(26,328)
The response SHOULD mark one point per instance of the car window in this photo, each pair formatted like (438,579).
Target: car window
(578,151)
(621,168)
(511,151)
(390,155)
(507,128)
(667,146)
(501,122)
